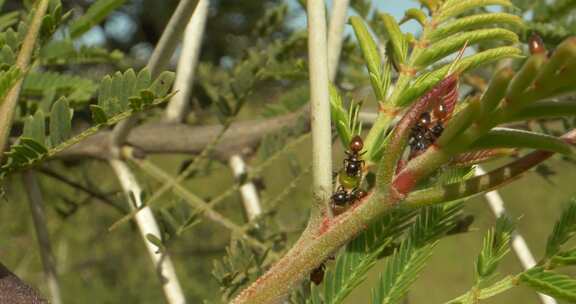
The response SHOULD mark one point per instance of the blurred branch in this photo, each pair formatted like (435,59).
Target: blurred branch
(319,111)
(338,17)
(185,71)
(92,193)
(8,104)
(248,190)
(181,138)
(147,225)
(36,202)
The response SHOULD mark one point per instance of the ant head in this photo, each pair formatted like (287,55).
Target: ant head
(356,144)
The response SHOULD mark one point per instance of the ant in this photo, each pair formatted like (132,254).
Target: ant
(425,132)
(342,198)
(352,163)
(317,274)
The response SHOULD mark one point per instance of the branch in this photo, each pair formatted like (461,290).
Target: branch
(335,35)
(36,202)
(320,111)
(180,138)
(8,105)
(147,225)
(177,107)
(480,184)
(248,190)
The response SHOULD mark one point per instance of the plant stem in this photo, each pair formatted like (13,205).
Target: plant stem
(338,17)
(8,105)
(36,202)
(185,71)
(320,111)
(147,225)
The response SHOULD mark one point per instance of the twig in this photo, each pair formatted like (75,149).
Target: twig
(320,111)
(338,17)
(196,202)
(147,225)
(36,202)
(158,61)
(177,107)
(8,105)
(98,196)
(248,190)
(519,244)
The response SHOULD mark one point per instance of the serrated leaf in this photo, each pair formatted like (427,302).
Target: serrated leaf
(556,285)
(370,54)
(514,138)
(446,47)
(474,22)
(564,258)
(564,229)
(544,109)
(454,8)
(60,122)
(495,246)
(425,82)
(94,15)
(396,38)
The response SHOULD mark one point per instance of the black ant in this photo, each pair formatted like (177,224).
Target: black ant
(425,132)
(342,198)
(317,274)
(352,163)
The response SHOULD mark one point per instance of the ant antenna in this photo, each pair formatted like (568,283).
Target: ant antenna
(458,58)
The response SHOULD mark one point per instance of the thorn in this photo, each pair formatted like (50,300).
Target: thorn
(458,57)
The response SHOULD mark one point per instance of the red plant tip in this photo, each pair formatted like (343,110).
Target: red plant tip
(536,45)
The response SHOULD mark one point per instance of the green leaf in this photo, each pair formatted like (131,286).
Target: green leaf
(460,122)
(564,258)
(544,109)
(94,15)
(339,116)
(161,86)
(556,285)
(564,229)
(35,127)
(514,138)
(443,48)
(474,22)
(523,79)
(98,114)
(361,254)
(60,122)
(370,54)
(495,247)
(496,91)
(401,271)
(416,14)
(8,79)
(453,8)
(425,82)
(396,38)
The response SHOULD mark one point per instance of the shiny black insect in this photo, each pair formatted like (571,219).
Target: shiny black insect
(353,164)
(425,132)
(317,275)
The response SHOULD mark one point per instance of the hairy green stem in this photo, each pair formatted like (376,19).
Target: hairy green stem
(10,102)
